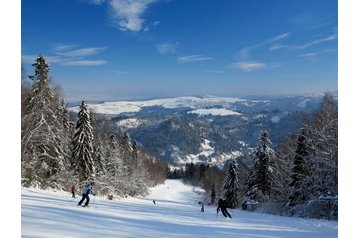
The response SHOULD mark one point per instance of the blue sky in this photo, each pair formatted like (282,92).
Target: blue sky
(120,49)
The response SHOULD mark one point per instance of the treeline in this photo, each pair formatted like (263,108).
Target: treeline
(298,177)
(57,152)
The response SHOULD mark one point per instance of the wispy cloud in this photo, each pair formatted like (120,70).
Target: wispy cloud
(279,37)
(245,52)
(167,48)
(76,57)
(96,2)
(249,66)
(128,13)
(50,59)
(83,62)
(193,58)
(306,45)
(308,55)
(63,47)
(82,52)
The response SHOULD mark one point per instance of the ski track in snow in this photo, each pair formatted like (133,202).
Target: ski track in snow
(177,214)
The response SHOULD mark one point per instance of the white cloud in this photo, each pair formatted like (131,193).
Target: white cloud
(30,59)
(308,55)
(83,52)
(167,48)
(129,12)
(245,52)
(248,66)
(279,37)
(63,47)
(84,62)
(75,57)
(306,45)
(193,58)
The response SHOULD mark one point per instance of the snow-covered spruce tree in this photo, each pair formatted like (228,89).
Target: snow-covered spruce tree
(264,177)
(322,131)
(300,177)
(114,177)
(231,186)
(139,176)
(126,151)
(67,134)
(42,160)
(82,153)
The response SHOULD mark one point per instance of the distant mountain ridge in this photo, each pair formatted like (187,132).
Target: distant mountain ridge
(206,129)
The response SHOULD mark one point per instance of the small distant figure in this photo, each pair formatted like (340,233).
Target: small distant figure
(154,202)
(73,191)
(110,197)
(85,194)
(222,206)
(202,207)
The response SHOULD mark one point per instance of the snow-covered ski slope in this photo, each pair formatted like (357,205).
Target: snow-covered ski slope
(176,214)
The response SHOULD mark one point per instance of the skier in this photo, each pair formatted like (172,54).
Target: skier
(73,190)
(154,202)
(222,206)
(85,194)
(202,207)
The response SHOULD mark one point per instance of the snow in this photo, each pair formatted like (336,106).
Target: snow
(303,103)
(46,213)
(206,151)
(115,108)
(215,112)
(130,123)
(275,119)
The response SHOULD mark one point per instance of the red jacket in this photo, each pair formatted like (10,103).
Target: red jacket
(73,189)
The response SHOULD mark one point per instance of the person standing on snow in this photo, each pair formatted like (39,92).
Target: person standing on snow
(85,194)
(73,190)
(222,206)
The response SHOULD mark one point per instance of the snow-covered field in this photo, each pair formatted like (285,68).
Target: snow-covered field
(176,214)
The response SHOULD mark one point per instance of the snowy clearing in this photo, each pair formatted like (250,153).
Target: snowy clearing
(176,214)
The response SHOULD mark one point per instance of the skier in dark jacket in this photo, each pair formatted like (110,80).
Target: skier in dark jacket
(85,194)
(222,206)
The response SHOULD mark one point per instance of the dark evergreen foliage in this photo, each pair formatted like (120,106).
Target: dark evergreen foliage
(300,172)
(262,179)
(231,186)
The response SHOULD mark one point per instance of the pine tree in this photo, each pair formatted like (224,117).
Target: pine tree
(263,178)
(300,172)
(82,153)
(231,187)
(42,130)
